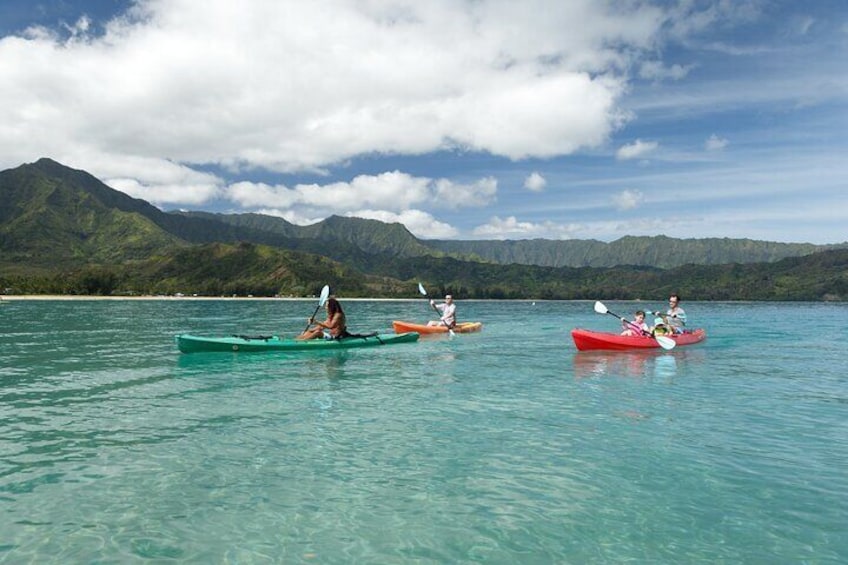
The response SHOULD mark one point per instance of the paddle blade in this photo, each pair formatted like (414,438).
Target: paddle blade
(665,342)
(422,290)
(325,293)
(600,308)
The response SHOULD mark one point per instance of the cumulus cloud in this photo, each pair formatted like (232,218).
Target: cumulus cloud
(535,182)
(392,191)
(390,197)
(163,182)
(501,228)
(715,143)
(511,228)
(636,150)
(457,195)
(297,87)
(628,199)
(164,194)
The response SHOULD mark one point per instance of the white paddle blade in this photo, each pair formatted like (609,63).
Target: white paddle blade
(666,342)
(600,308)
(422,290)
(325,293)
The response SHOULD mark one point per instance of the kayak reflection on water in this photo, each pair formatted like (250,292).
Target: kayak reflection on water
(637,363)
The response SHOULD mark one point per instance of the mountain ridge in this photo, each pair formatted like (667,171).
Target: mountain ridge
(358,239)
(62,230)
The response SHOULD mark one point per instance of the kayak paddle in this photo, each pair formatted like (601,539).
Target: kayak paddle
(665,342)
(325,292)
(423,291)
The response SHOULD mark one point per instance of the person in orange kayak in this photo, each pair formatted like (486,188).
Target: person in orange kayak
(448,313)
(334,327)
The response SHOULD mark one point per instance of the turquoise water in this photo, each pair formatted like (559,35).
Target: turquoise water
(506,446)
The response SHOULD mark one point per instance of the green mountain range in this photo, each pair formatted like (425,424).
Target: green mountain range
(64,231)
(659,251)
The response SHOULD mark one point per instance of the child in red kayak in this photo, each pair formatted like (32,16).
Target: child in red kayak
(638,326)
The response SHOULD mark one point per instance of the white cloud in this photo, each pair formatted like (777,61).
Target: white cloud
(502,228)
(300,86)
(715,143)
(535,182)
(164,182)
(392,191)
(164,194)
(628,199)
(656,70)
(456,195)
(511,228)
(390,196)
(636,149)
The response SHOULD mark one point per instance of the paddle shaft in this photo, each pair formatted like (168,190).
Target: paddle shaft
(312,318)
(628,322)
(325,293)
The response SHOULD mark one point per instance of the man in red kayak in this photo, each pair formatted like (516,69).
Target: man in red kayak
(675,316)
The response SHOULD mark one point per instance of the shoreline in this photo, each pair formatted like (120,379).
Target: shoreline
(79,297)
(71,297)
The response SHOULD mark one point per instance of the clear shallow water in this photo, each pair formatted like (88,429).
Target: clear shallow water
(506,446)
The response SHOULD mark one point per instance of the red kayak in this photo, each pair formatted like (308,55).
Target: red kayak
(587,339)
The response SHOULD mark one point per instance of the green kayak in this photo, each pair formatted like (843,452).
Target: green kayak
(194,344)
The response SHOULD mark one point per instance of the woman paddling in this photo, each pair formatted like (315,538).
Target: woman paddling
(334,327)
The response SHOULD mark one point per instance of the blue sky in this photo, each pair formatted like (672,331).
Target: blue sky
(571,119)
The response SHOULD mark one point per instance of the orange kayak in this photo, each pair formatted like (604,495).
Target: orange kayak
(461,328)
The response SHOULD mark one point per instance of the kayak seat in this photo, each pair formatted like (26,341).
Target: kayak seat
(254,337)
